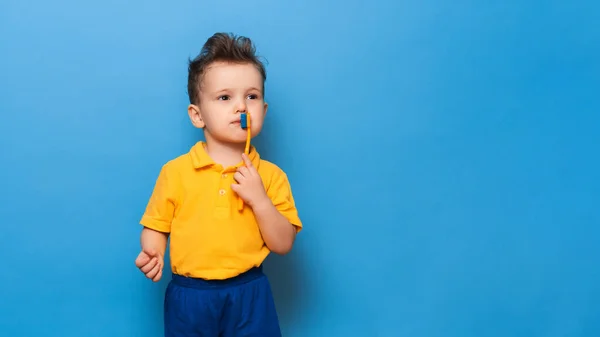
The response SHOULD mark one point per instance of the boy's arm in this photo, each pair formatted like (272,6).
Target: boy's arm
(159,212)
(151,260)
(157,224)
(154,241)
(277,232)
(274,209)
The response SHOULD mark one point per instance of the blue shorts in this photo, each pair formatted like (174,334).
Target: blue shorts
(240,306)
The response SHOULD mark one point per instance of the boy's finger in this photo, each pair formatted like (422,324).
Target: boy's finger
(247,160)
(148,267)
(158,275)
(244,171)
(153,272)
(142,260)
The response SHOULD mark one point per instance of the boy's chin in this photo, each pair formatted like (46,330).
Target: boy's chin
(230,138)
(235,141)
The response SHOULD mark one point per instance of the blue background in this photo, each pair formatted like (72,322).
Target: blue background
(443,154)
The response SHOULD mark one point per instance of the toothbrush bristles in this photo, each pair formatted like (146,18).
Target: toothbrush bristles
(244,121)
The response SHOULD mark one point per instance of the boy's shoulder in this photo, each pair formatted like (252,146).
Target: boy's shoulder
(194,158)
(272,174)
(270,168)
(178,163)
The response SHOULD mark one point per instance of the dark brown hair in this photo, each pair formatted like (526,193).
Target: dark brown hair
(225,47)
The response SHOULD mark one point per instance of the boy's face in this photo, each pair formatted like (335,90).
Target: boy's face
(227,90)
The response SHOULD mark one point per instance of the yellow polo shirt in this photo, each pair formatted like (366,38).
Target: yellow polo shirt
(213,235)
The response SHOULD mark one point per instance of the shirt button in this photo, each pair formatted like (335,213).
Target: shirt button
(224,175)
(222,192)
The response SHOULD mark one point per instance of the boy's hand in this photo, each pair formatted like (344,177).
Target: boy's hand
(150,263)
(249,185)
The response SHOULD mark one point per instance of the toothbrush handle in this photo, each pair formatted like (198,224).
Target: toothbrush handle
(249,133)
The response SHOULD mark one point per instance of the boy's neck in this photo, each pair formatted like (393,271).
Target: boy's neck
(226,155)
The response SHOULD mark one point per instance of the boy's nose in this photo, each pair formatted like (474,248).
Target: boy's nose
(241,106)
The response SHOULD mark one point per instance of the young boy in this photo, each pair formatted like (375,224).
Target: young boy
(223,211)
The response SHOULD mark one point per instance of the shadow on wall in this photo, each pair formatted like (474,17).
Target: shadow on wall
(286,273)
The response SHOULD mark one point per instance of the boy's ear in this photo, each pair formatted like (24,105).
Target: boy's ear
(196,116)
(266,108)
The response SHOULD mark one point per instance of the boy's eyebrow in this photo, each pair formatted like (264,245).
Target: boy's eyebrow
(228,89)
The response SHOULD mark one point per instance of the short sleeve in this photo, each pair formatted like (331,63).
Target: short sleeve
(280,193)
(160,209)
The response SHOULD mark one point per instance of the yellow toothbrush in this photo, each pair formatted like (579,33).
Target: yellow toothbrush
(245,124)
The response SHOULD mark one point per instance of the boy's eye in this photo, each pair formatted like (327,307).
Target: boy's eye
(252,96)
(224,97)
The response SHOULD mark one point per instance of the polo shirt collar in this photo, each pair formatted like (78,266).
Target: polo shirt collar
(201,159)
